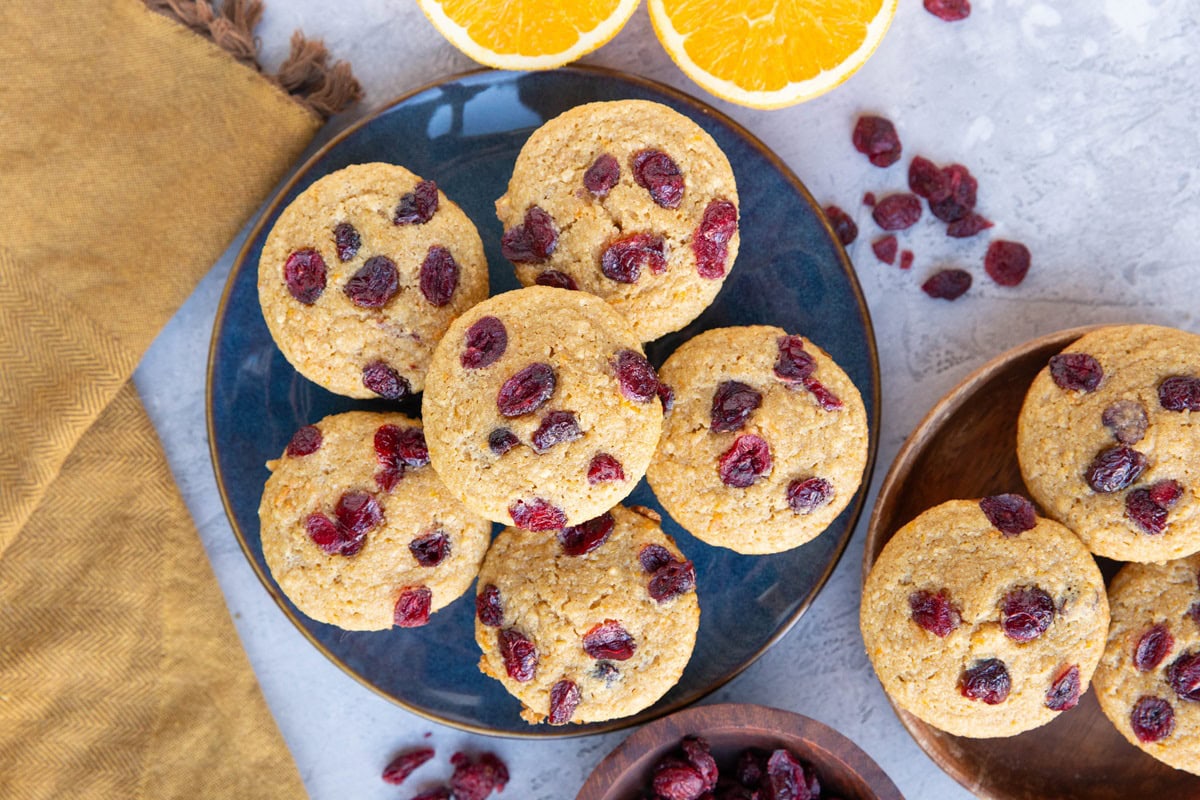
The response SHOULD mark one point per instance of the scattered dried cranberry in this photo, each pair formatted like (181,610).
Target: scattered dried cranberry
(604,468)
(346,240)
(637,379)
(485,342)
(885,249)
(439,276)
(869,199)
(609,640)
(431,549)
(496,769)
(624,258)
(906,259)
(558,427)
(501,440)
(1063,693)
(654,557)
(1006,262)
(745,462)
(556,280)
(927,180)
(418,206)
(875,137)
(385,381)
(1152,719)
(536,515)
(960,196)
(375,283)
(519,654)
(933,612)
(585,537)
(657,173)
(843,226)
(794,364)
(1184,676)
(564,699)
(436,793)
(949,10)
(710,242)
(533,241)
(666,396)
(304,274)
(475,781)
(1154,646)
(488,608)
(785,778)
(1026,613)
(412,607)
(1148,515)
(826,399)
(526,391)
(1115,468)
(699,755)
(1180,393)
(948,284)
(602,175)
(677,780)
(987,680)
(896,212)
(1010,514)
(732,404)
(1076,372)
(671,580)
(805,496)
(404,764)
(305,441)
(972,224)
(1127,420)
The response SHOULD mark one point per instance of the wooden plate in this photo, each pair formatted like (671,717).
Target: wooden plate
(843,769)
(964,448)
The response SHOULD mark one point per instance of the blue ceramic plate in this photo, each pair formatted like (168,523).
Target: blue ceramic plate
(465,133)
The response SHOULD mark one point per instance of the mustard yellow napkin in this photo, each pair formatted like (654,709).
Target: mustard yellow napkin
(132,149)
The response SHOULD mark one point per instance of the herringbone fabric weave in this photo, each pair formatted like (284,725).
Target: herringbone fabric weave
(131,152)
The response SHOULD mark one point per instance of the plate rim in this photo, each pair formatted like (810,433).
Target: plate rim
(873,412)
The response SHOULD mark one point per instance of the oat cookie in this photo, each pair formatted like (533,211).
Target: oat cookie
(983,619)
(1109,441)
(766,443)
(1148,681)
(358,531)
(594,623)
(628,200)
(361,275)
(540,409)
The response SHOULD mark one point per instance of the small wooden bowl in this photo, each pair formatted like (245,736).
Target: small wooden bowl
(965,448)
(843,769)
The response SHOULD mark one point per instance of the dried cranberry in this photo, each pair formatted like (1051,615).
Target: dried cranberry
(533,241)
(869,199)
(556,280)
(304,274)
(436,793)
(1010,514)
(885,249)
(637,379)
(585,537)
(485,342)
(346,240)
(604,468)
(606,671)
(1115,468)
(927,180)
(488,608)
(536,515)
(785,778)
(949,10)
(324,533)
(843,226)
(431,549)
(475,781)
(710,242)
(385,381)
(1006,262)
(1152,719)
(418,206)
(1075,372)
(519,654)
(1184,676)
(654,557)
(609,640)
(657,173)
(496,770)
(405,447)
(602,175)
(699,755)
(666,396)
(677,780)
(987,680)
(1166,493)
(826,399)
(745,462)
(439,276)
(1026,613)
(896,212)
(960,196)
(624,258)
(948,284)
(375,283)
(305,441)
(501,440)
(1127,420)
(412,607)
(526,391)
(1194,612)
(358,512)
(751,767)
(1063,693)
(1180,393)
(731,406)
(875,137)
(805,496)
(906,259)
(404,764)
(1148,515)
(1153,646)
(972,224)
(671,580)
(933,612)
(564,699)
(558,427)
(794,364)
